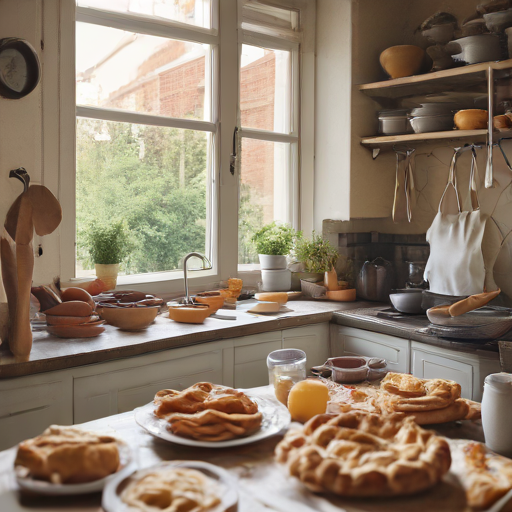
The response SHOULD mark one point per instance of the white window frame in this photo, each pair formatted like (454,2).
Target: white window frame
(225,42)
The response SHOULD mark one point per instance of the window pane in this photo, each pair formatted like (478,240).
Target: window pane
(193,12)
(119,69)
(265,89)
(265,191)
(153,179)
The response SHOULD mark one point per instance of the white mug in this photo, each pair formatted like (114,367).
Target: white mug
(497,413)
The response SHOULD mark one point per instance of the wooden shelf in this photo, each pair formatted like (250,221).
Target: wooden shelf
(411,138)
(472,77)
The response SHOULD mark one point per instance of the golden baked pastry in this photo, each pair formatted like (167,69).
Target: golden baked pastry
(485,475)
(173,490)
(202,396)
(363,454)
(411,394)
(208,412)
(428,401)
(212,425)
(64,455)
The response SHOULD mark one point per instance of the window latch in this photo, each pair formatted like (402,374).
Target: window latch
(232,158)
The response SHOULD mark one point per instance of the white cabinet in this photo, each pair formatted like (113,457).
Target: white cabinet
(395,351)
(251,358)
(251,351)
(312,339)
(28,405)
(112,388)
(469,370)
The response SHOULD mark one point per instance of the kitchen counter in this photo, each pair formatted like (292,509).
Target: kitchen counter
(410,327)
(50,353)
(263,486)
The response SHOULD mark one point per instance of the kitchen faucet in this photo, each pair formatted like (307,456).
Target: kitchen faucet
(206,266)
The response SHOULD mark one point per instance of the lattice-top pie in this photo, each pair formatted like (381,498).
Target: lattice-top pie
(208,412)
(68,455)
(364,454)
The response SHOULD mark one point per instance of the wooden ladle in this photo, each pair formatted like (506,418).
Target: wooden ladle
(35,208)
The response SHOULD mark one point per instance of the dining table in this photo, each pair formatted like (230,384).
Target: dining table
(263,485)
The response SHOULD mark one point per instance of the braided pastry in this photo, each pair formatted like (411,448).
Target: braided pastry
(203,396)
(208,412)
(363,454)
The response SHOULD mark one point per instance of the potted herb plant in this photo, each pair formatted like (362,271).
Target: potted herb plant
(108,246)
(273,243)
(317,256)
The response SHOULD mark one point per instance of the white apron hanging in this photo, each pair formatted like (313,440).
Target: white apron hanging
(457,264)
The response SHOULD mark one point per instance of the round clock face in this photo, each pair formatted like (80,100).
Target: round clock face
(19,68)
(13,69)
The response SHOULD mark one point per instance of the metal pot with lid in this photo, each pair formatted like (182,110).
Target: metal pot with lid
(375,280)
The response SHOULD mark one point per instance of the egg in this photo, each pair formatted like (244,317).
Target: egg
(307,398)
(80,294)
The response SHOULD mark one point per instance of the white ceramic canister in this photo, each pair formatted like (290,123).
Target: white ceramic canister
(276,280)
(272,262)
(497,413)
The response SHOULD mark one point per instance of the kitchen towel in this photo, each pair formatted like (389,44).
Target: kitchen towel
(464,245)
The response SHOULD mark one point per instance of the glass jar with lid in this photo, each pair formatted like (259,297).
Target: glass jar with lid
(285,368)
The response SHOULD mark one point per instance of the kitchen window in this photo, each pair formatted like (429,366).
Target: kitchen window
(157,103)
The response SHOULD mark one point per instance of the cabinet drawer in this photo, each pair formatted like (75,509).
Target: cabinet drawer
(29,405)
(430,366)
(101,395)
(313,340)
(394,350)
(256,352)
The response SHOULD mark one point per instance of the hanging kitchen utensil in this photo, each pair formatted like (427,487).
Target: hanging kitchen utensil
(400,200)
(36,208)
(405,193)
(456,265)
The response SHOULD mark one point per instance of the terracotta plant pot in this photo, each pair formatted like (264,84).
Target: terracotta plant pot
(402,60)
(471,119)
(108,274)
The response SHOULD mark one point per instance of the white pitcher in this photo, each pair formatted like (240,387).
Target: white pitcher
(497,413)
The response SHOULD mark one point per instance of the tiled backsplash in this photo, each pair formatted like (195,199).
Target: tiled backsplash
(397,249)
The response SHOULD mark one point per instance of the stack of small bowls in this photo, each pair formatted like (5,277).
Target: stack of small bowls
(432,117)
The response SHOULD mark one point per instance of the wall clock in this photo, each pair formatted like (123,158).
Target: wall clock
(20,70)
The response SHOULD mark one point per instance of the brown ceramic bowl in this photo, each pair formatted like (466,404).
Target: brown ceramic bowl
(214,301)
(402,60)
(471,119)
(129,319)
(189,314)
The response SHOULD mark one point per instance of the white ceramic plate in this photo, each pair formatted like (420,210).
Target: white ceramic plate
(111,501)
(275,418)
(127,466)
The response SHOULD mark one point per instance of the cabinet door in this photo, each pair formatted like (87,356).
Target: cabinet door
(395,351)
(28,405)
(312,339)
(113,392)
(426,365)
(251,358)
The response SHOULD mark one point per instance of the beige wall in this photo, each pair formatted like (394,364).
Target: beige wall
(24,140)
(332,111)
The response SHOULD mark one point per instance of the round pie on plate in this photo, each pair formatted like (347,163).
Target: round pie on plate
(364,454)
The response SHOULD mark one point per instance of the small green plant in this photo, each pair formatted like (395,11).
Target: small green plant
(317,254)
(108,244)
(274,239)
